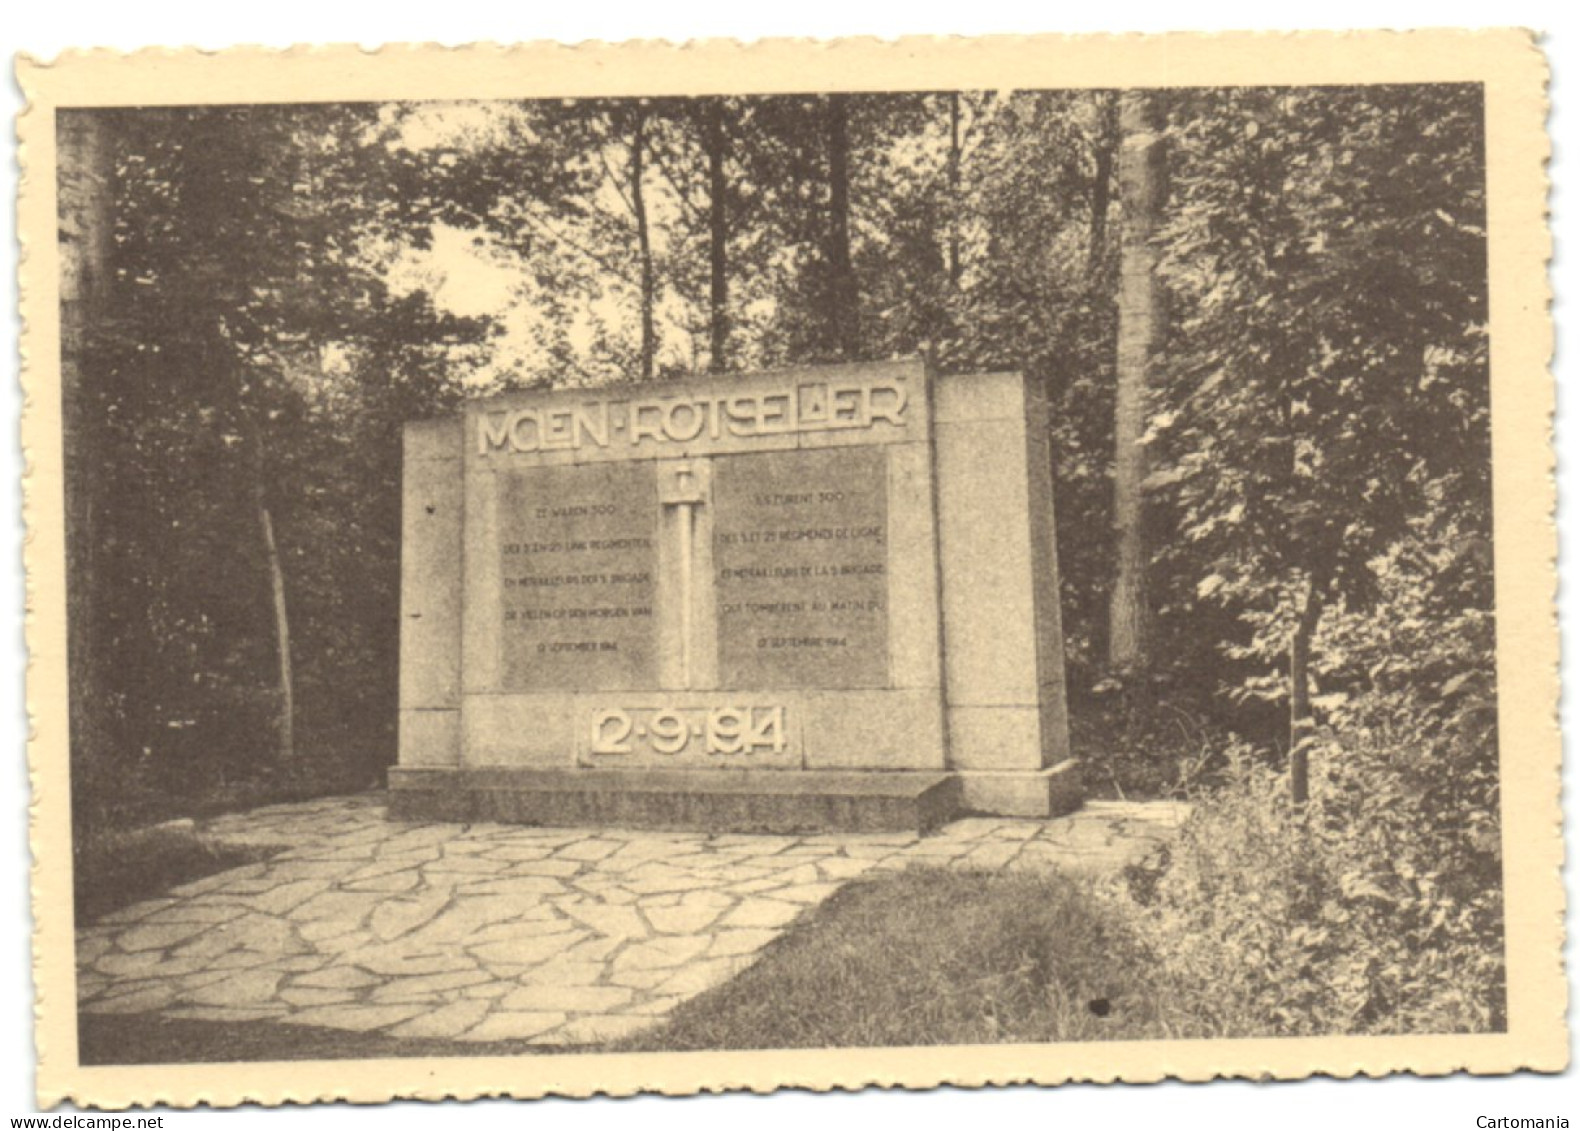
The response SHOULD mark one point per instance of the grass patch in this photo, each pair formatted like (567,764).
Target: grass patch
(116,869)
(933,957)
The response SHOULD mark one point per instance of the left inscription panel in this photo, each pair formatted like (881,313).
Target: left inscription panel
(577,554)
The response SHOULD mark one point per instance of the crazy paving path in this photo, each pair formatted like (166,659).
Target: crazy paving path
(498,932)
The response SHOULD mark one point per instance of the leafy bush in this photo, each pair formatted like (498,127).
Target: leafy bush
(1377,909)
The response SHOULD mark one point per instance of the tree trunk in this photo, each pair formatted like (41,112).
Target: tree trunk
(954,188)
(643,241)
(282,632)
(843,324)
(87,197)
(1141,324)
(718,242)
(252,437)
(1300,689)
(1102,188)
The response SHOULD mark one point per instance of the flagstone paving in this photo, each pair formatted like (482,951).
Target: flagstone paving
(503,932)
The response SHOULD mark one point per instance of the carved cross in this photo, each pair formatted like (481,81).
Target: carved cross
(683,489)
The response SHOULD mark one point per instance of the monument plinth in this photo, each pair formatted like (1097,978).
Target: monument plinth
(816,598)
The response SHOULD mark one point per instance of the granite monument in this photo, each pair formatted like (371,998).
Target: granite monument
(814,598)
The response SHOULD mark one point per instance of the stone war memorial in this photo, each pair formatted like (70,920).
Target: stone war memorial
(920,562)
(820,598)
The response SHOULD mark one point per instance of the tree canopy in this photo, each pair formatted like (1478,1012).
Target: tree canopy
(286,285)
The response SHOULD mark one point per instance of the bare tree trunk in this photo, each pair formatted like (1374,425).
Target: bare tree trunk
(643,241)
(285,729)
(1141,323)
(87,198)
(1300,722)
(282,631)
(954,188)
(718,242)
(1102,186)
(843,322)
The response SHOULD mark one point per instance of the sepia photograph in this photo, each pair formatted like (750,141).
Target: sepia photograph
(576,576)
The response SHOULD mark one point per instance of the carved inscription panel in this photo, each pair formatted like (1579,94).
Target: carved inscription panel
(577,574)
(800,553)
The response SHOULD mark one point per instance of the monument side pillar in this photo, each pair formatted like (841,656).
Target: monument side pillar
(430,595)
(1003,642)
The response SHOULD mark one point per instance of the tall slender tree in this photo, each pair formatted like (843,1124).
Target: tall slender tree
(955,203)
(274,569)
(86,212)
(844,322)
(1142,188)
(716,142)
(644,240)
(1105,139)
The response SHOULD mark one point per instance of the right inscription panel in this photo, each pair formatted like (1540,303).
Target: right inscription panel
(800,551)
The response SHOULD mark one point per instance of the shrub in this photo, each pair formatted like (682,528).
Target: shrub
(1376,909)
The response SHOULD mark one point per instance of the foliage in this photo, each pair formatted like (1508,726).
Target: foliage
(1377,908)
(249,358)
(1328,387)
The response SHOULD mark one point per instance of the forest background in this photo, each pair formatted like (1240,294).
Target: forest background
(1260,315)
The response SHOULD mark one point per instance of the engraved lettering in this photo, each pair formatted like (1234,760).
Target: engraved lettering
(493,431)
(685,420)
